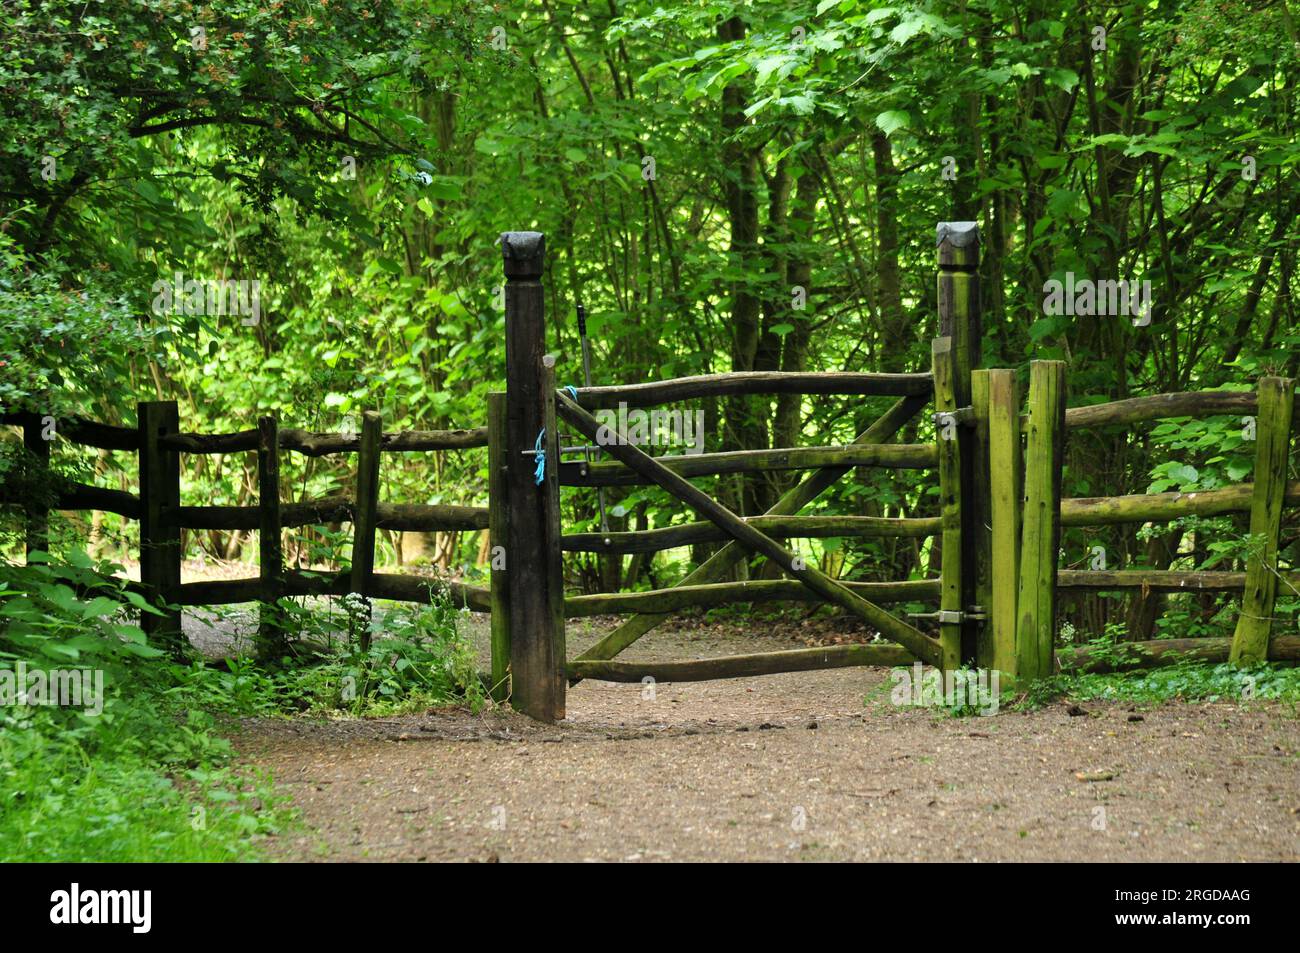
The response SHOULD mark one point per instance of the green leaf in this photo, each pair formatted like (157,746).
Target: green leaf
(892,120)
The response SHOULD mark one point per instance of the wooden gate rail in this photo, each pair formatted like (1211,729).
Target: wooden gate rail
(916,456)
(748,590)
(100,436)
(741,383)
(399,587)
(778,527)
(79,496)
(743,666)
(1162,580)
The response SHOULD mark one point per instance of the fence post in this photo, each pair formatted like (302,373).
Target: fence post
(943,365)
(38,517)
(498,532)
(1041,528)
(536,630)
(1272,440)
(997,402)
(958,258)
(160,537)
(363,517)
(270,554)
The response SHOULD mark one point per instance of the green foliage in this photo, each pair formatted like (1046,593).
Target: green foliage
(417,659)
(166,797)
(1185,681)
(128,774)
(57,346)
(139,770)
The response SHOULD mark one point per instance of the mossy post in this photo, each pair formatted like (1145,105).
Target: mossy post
(364,515)
(998,404)
(536,632)
(1272,440)
(498,531)
(958,258)
(160,536)
(1041,524)
(951,602)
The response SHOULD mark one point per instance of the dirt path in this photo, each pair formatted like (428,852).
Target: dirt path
(789,767)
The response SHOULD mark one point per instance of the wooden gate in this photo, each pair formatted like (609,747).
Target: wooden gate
(529,608)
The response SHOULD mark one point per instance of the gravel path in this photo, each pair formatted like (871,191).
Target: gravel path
(788,767)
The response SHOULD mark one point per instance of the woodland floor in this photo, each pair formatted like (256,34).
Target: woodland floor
(787,767)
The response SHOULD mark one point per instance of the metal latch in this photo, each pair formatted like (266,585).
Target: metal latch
(952,616)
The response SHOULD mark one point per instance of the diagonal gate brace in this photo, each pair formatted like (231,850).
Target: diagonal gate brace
(914,640)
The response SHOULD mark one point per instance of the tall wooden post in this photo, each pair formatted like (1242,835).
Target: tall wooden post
(270,554)
(160,537)
(367,507)
(498,531)
(958,257)
(38,517)
(1272,441)
(1041,526)
(951,572)
(997,405)
(533,553)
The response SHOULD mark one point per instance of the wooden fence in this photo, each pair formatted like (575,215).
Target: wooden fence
(159,444)
(999,476)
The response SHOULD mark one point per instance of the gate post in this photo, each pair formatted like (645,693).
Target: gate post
(532,557)
(270,551)
(160,537)
(958,258)
(1041,526)
(1272,440)
(997,409)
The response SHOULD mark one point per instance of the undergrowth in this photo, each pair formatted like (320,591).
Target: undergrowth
(1183,681)
(139,770)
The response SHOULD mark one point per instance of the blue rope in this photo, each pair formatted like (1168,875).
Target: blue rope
(539,474)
